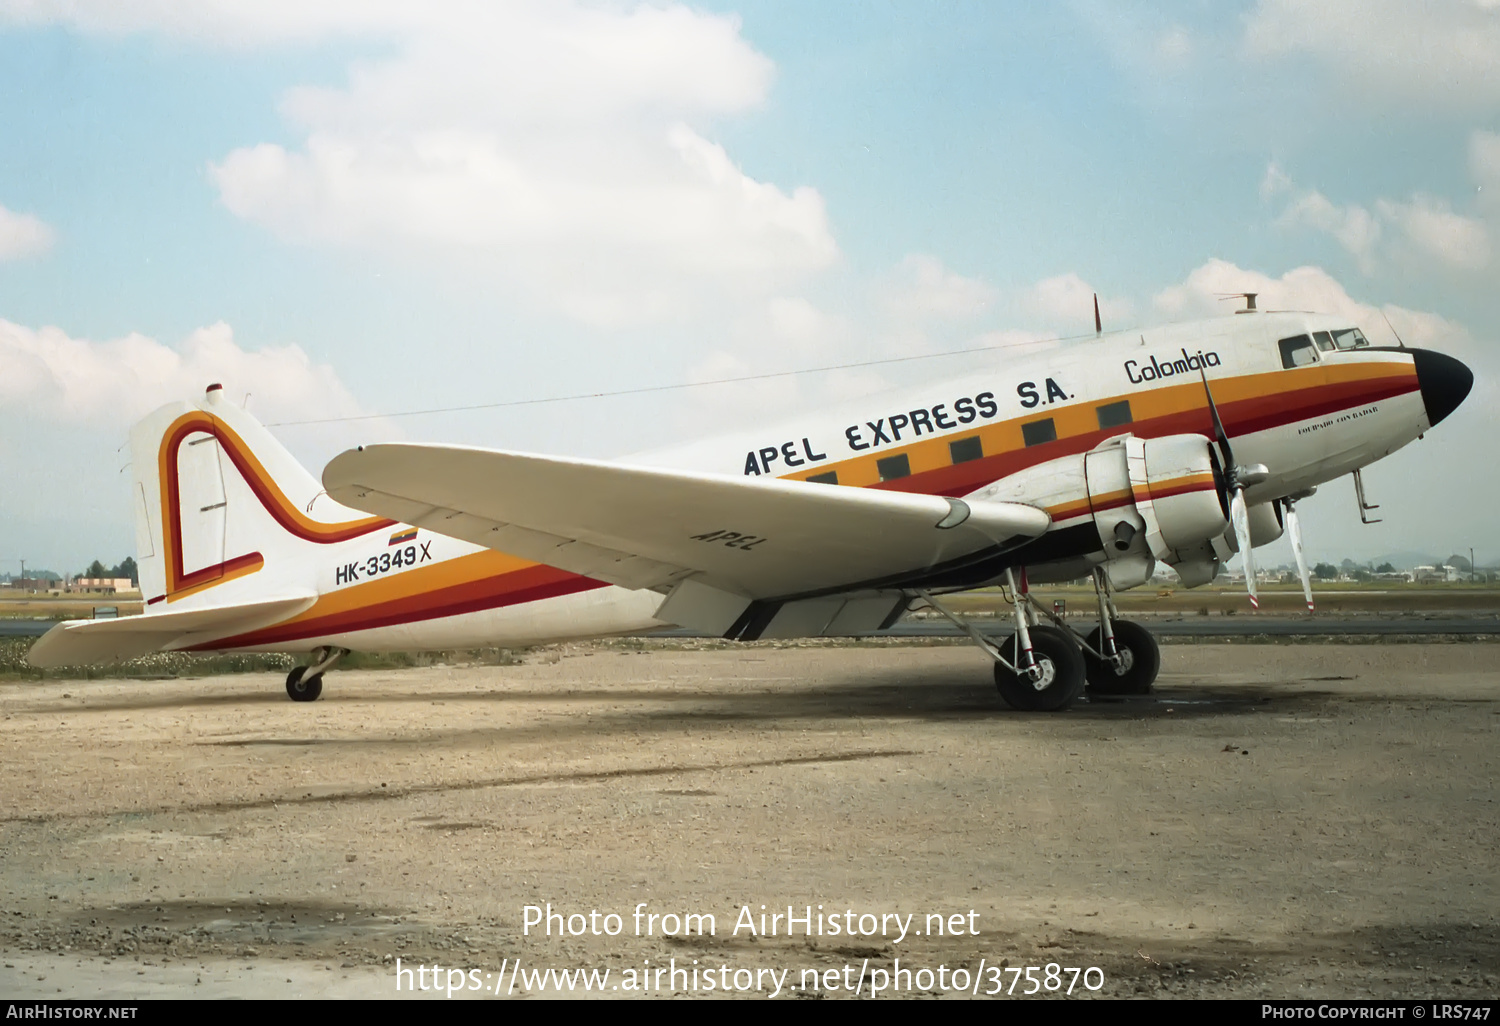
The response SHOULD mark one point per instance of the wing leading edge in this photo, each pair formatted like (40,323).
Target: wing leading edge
(720,545)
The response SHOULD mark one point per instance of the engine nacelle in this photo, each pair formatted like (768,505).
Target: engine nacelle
(1148,499)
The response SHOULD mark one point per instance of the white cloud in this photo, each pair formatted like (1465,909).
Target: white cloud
(1352,226)
(1434,229)
(922,286)
(22,235)
(1302,288)
(558,146)
(801,325)
(53,378)
(1424,227)
(560,150)
(1067,301)
(1174,44)
(1418,51)
(1484,166)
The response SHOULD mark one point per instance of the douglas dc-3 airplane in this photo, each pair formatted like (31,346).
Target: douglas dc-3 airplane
(1183,444)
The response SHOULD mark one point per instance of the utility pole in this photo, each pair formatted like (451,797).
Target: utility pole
(1471,564)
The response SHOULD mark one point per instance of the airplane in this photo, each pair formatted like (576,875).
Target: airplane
(1097,459)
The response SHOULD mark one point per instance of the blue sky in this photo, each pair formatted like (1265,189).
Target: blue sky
(347,207)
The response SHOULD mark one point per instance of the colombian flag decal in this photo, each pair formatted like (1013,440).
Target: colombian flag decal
(401,537)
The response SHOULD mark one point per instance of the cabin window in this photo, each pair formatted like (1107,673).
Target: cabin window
(1324,341)
(1297,351)
(1350,338)
(832,477)
(965,449)
(1039,431)
(1114,414)
(893,467)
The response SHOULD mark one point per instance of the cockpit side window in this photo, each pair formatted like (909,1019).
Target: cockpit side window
(1350,338)
(1297,351)
(1324,341)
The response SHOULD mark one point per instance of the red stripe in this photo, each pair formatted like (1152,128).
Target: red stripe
(1240,417)
(509,589)
(541,581)
(216,570)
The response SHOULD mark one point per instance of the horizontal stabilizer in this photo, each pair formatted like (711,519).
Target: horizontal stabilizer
(75,642)
(643,527)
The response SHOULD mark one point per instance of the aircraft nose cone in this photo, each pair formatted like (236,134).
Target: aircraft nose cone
(1445,382)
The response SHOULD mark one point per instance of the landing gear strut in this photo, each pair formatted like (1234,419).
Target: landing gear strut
(305,683)
(1120,657)
(1043,668)
(1037,669)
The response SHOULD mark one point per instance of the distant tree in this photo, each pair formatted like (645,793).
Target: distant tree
(1385,568)
(1326,571)
(1348,565)
(96,570)
(1458,562)
(1362,574)
(126,568)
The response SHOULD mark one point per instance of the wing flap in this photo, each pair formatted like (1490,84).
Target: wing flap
(75,642)
(646,527)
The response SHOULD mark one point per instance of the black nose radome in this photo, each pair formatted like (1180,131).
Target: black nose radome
(1445,382)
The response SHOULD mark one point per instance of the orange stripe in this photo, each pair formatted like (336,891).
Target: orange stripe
(1248,402)
(397,588)
(1108,500)
(480,581)
(491,579)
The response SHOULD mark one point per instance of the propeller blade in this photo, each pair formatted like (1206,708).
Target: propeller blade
(1239,514)
(1294,531)
(1219,433)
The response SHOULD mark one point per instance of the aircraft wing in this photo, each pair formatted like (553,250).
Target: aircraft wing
(75,642)
(639,527)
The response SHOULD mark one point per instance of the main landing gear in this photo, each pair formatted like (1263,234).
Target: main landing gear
(305,683)
(1043,668)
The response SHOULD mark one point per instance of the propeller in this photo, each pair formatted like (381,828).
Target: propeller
(1294,531)
(1236,479)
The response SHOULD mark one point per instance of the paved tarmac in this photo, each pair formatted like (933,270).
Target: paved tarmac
(1307,821)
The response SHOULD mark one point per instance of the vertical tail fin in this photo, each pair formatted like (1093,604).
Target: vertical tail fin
(224,514)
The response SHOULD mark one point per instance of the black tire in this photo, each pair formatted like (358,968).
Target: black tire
(301,690)
(1062,669)
(1141,655)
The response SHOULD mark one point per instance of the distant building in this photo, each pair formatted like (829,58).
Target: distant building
(35,584)
(1438,574)
(103,585)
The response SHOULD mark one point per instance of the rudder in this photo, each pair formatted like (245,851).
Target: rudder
(223,512)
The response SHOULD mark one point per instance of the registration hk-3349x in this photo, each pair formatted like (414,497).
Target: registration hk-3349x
(398,554)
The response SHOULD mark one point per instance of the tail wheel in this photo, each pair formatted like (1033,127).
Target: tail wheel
(302,688)
(1140,659)
(1061,663)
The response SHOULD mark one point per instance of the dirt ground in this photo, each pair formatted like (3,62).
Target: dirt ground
(1277,821)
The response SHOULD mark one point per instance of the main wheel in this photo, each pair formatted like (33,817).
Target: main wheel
(303,688)
(1140,659)
(1061,664)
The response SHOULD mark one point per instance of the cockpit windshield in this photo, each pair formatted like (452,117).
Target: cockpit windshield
(1297,351)
(1350,338)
